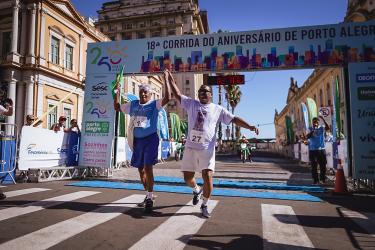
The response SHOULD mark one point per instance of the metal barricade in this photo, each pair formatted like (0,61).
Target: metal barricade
(8,152)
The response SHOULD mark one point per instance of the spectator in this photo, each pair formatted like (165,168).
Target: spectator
(60,126)
(30,119)
(317,153)
(6,111)
(74,126)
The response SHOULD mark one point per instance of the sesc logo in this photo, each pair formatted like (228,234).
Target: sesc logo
(100,87)
(365,77)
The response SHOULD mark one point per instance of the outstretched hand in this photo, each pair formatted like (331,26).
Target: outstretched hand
(256,130)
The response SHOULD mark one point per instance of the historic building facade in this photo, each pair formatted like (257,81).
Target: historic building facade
(136,19)
(43,58)
(320,83)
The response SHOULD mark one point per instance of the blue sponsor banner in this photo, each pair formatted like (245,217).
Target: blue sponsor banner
(362,105)
(165,146)
(73,149)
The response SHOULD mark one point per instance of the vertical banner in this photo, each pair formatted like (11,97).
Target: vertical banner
(362,105)
(98,122)
(305,116)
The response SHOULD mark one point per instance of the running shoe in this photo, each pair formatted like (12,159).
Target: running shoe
(197,196)
(205,212)
(149,203)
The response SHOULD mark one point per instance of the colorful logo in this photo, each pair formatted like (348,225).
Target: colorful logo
(111,58)
(98,109)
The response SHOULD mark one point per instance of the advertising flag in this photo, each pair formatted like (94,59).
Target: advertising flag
(305,114)
(313,110)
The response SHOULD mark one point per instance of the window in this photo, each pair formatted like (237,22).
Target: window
(126,36)
(55,50)
(156,34)
(187,82)
(321,98)
(171,32)
(112,27)
(141,25)
(69,57)
(68,115)
(141,35)
(171,20)
(127,26)
(328,93)
(52,116)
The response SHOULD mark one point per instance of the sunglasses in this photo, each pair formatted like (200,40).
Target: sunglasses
(204,91)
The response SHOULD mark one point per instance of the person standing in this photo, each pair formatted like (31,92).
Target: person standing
(199,156)
(6,111)
(317,153)
(144,113)
(60,126)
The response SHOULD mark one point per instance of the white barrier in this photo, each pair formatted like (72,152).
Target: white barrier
(42,148)
(342,151)
(121,151)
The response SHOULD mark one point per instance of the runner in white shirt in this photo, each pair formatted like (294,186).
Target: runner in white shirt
(199,156)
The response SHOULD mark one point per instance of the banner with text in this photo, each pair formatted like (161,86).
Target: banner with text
(298,47)
(362,105)
(98,122)
(42,148)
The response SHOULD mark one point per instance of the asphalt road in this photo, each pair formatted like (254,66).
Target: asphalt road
(53,215)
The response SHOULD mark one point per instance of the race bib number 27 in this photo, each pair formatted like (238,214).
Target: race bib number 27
(196,136)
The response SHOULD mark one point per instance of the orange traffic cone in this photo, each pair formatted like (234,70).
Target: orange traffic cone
(340,182)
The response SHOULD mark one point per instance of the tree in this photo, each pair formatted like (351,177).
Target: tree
(233,96)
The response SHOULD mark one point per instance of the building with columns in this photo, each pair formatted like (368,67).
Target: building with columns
(136,19)
(319,84)
(43,58)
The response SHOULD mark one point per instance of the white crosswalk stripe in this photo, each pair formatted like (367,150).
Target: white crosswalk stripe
(281,227)
(24,191)
(364,220)
(54,234)
(40,205)
(172,233)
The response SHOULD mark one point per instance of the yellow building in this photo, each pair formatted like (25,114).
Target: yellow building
(43,58)
(319,84)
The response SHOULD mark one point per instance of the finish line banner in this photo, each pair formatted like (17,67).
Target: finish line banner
(299,47)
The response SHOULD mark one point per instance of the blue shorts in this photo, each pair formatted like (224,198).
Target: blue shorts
(145,151)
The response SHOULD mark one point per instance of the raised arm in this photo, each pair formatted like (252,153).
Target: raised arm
(167,90)
(240,122)
(327,128)
(8,107)
(172,83)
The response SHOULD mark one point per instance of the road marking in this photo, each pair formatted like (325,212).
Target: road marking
(40,205)
(24,191)
(54,234)
(2,186)
(177,230)
(364,220)
(281,228)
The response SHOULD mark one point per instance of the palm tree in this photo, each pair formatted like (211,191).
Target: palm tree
(233,97)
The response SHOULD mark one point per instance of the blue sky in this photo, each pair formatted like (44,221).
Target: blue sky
(264,91)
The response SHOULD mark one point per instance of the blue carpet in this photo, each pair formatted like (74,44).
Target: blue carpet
(244,184)
(187,190)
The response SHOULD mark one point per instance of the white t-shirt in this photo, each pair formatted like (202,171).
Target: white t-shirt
(2,109)
(203,120)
